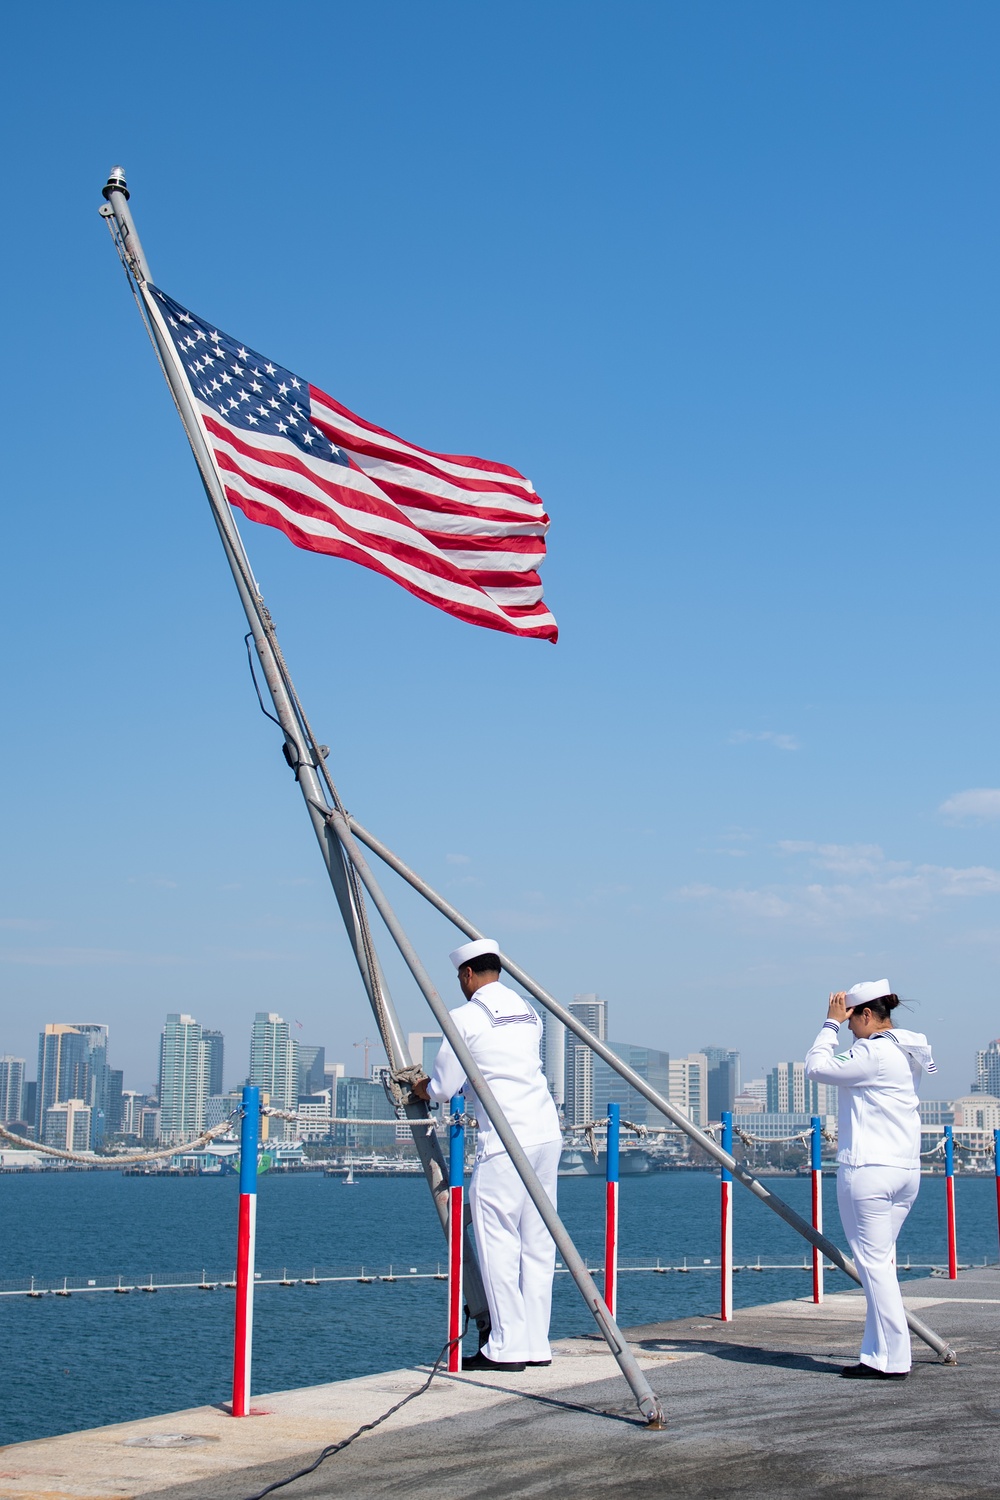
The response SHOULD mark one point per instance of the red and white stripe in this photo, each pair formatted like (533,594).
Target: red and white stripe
(611,1248)
(726,1254)
(464,534)
(817,1217)
(245,1259)
(456,1247)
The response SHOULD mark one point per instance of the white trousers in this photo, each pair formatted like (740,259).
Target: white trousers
(874,1203)
(517,1255)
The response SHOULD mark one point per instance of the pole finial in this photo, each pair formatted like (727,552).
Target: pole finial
(116,183)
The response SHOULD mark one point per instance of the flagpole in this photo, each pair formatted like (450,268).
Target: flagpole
(301,752)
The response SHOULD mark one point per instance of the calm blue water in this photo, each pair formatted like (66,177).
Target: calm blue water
(85,1360)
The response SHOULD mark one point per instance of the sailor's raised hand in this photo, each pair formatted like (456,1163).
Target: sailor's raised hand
(837,1010)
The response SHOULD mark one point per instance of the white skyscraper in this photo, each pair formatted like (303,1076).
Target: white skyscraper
(689,1086)
(11,1088)
(67,1125)
(578,1080)
(185,1071)
(274,1066)
(554,1056)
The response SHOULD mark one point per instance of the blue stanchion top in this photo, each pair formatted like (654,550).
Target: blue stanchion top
(456,1144)
(249,1135)
(817,1143)
(727,1141)
(949,1151)
(614,1133)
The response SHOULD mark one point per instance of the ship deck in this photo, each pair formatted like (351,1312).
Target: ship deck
(755,1409)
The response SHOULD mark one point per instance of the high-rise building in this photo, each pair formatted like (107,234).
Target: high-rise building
(184,1075)
(67,1125)
(133,1104)
(723,1080)
(359,1098)
(987,1079)
(790,1092)
(98,1079)
(311,1070)
(274,1065)
(29,1113)
(63,1071)
(689,1086)
(752,1097)
(554,1056)
(423,1047)
(216,1052)
(578,1080)
(11,1088)
(114,1119)
(611,1088)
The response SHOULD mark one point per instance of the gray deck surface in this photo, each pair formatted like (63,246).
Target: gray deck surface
(759,1411)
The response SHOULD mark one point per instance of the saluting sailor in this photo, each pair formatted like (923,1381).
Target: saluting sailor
(516,1252)
(879,1155)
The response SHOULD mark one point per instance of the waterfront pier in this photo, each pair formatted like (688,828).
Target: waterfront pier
(754,1408)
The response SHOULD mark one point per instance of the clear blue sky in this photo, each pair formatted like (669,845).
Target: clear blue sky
(722,279)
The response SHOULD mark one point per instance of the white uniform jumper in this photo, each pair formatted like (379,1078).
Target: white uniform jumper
(516,1251)
(879,1174)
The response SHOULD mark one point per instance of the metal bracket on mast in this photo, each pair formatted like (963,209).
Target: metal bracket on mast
(302,752)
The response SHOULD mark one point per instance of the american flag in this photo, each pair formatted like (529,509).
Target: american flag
(461,533)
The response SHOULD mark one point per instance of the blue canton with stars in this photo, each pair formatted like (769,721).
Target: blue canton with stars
(248,391)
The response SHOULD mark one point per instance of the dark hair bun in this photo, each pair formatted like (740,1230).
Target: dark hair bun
(889,1001)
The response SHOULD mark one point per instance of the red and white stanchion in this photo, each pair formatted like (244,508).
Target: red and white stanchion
(611,1212)
(996,1167)
(246,1241)
(456,1236)
(949,1183)
(726,1250)
(817,1203)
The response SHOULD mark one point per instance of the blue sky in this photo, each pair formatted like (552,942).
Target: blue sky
(722,280)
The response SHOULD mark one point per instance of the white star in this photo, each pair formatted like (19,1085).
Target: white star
(294,420)
(207,359)
(238,370)
(282,389)
(242,353)
(226,378)
(334,448)
(223,410)
(263,410)
(251,419)
(244,395)
(200,334)
(282,426)
(297,408)
(184,317)
(215,386)
(214,337)
(233,401)
(295,384)
(308,439)
(269,369)
(172,321)
(255,385)
(275,404)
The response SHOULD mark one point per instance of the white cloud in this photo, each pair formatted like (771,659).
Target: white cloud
(765,736)
(865,886)
(979,805)
(458,859)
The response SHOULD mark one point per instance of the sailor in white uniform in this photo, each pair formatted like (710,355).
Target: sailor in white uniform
(879,1155)
(516,1252)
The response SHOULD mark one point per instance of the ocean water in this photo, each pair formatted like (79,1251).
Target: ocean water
(84,1360)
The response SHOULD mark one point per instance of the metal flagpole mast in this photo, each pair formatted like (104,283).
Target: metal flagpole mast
(303,754)
(777,1205)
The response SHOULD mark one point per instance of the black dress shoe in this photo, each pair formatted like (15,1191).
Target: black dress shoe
(501,1367)
(868,1372)
(537,1364)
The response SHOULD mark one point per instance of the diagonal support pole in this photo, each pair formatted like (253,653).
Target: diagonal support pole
(628,1364)
(777,1205)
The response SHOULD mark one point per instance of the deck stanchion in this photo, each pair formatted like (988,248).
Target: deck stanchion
(726,1255)
(611,1213)
(816,1144)
(996,1166)
(456,1216)
(949,1182)
(245,1246)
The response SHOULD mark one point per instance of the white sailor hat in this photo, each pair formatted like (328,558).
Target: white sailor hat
(462,955)
(864,994)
